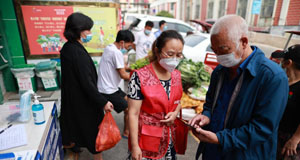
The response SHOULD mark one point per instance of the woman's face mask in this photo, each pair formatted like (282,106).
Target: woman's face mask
(88,37)
(169,63)
(282,66)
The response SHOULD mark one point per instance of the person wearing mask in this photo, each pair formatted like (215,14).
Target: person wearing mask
(82,104)
(162,27)
(245,100)
(143,41)
(154,101)
(112,70)
(289,127)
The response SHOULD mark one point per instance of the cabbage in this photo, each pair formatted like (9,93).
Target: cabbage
(193,74)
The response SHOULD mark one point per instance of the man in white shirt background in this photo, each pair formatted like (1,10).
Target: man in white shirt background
(112,70)
(143,41)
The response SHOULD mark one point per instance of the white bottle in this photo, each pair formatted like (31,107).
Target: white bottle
(25,102)
(38,111)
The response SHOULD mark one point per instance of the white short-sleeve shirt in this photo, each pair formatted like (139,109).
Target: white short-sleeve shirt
(108,76)
(143,44)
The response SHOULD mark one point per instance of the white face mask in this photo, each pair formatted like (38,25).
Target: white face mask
(169,63)
(229,60)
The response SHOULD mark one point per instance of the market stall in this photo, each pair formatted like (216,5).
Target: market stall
(195,81)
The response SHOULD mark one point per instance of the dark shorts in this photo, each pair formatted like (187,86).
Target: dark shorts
(117,99)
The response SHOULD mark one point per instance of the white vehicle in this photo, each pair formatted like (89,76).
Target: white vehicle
(172,24)
(129,18)
(196,46)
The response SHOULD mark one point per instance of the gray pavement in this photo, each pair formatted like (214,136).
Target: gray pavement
(120,151)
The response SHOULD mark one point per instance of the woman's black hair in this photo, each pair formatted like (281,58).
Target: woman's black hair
(296,65)
(76,23)
(161,41)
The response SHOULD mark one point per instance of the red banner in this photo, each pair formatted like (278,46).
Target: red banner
(44,27)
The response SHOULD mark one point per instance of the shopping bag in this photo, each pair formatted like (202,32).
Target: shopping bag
(108,134)
(181,133)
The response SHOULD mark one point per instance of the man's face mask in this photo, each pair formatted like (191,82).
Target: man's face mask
(229,60)
(165,28)
(124,50)
(147,32)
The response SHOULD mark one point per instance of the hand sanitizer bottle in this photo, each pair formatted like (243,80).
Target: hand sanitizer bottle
(38,111)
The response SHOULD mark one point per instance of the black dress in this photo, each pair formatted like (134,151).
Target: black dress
(289,121)
(82,104)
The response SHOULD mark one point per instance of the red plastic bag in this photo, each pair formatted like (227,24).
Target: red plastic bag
(181,133)
(108,134)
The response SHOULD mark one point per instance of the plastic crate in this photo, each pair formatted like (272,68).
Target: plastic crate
(211,60)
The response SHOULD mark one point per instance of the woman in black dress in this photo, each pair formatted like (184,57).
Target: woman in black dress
(82,105)
(289,128)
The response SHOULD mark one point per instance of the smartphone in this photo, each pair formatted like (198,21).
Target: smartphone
(186,123)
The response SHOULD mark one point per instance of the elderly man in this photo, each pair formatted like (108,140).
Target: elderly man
(245,101)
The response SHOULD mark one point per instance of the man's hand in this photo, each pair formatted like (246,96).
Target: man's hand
(290,147)
(169,118)
(108,107)
(199,121)
(205,136)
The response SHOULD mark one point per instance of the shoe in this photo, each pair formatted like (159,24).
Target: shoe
(125,137)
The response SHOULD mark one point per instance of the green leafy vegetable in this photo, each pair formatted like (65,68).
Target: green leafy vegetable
(140,63)
(193,74)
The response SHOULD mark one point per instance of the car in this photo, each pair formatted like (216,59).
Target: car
(197,48)
(173,24)
(205,27)
(131,17)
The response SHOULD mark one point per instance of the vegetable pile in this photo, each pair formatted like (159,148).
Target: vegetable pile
(193,74)
(140,63)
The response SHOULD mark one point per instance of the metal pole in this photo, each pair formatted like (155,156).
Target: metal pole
(288,41)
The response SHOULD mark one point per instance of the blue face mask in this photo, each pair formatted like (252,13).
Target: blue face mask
(165,28)
(123,50)
(87,38)
(147,32)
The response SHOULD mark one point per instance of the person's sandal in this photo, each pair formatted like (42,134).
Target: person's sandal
(125,137)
